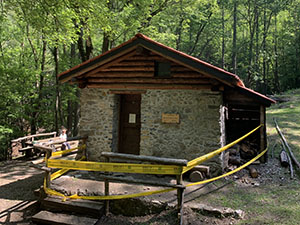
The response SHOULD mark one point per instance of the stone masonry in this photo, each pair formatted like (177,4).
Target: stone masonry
(96,120)
(197,133)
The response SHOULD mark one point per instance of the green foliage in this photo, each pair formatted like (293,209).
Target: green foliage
(39,39)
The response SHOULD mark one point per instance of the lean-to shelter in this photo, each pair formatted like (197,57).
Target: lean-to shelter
(143,97)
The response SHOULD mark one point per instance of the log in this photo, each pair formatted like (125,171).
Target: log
(286,144)
(203,169)
(160,160)
(289,160)
(140,181)
(283,156)
(196,176)
(150,86)
(252,171)
(148,80)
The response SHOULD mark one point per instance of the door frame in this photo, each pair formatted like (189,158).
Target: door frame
(120,127)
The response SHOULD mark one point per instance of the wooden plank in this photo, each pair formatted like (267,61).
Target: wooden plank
(113,62)
(81,206)
(34,135)
(85,67)
(150,86)
(136,63)
(46,217)
(149,80)
(262,133)
(190,63)
(123,74)
(26,149)
(180,199)
(128,69)
(127,92)
(144,158)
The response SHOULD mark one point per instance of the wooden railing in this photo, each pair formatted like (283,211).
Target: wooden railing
(150,159)
(27,142)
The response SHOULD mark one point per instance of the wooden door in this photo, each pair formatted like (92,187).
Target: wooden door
(130,124)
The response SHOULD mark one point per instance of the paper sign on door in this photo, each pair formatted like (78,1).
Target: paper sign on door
(132,118)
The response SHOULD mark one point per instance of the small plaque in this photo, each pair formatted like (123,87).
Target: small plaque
(169,118)
(132,118)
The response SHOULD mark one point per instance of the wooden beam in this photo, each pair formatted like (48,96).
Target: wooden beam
(127,92)
(262,132)
(140,181)
(149,80)
(33,136)
(123,74)
(145,58)
(114,61)
(150,86)
(191,67)
(128,69)
(286,144)
(143,158)
(91,65)
(191,74)
(136,63)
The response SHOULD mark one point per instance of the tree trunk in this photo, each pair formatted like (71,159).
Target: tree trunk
(57,109)
(234,49)
(105,43)
(265,52)
(223,36)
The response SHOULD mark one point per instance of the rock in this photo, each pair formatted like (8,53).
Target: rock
(216,211)
(136,207)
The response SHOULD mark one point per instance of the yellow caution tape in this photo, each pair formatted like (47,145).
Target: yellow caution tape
(114,197)
(58,173)
(62,171)
(68,151)
(231,172)
(66,165)
(191,164)
(115,167)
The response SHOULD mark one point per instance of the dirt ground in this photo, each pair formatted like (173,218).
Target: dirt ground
(18,181)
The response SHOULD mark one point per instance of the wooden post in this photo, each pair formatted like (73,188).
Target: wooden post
(180,198)
(106,190)
(262,133)
(48,173)
(84,150)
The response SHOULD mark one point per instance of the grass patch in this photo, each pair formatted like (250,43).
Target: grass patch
(269,203)
(287,116)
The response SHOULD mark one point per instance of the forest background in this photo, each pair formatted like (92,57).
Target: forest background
(259,40)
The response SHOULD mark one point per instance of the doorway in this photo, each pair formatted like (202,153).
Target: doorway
(130,124)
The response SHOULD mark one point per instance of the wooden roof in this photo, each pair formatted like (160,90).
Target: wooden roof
(131,65)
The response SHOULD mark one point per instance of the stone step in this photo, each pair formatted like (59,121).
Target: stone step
(45,217)
(80,206)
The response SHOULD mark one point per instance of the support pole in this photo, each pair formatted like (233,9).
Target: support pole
(262,133)
(180,198)
(106,190)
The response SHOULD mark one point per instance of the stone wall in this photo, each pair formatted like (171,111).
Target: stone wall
(197,133)
(98,120)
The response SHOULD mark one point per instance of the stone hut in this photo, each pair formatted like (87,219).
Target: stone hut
(145,98)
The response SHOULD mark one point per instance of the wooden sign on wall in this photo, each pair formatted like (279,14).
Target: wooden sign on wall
(169,118)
